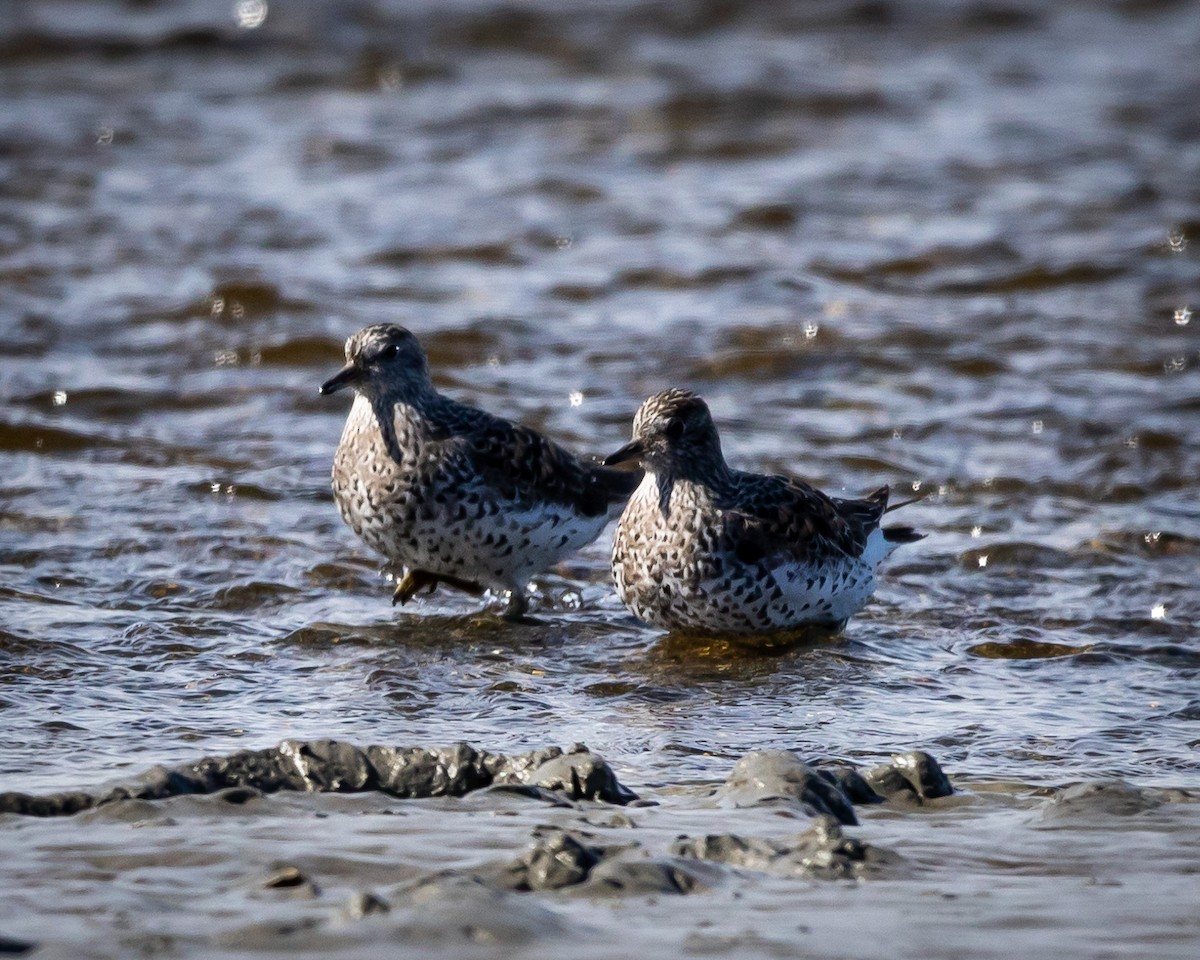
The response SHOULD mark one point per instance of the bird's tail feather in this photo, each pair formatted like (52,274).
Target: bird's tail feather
(898,535)
(905,503)
(894,535)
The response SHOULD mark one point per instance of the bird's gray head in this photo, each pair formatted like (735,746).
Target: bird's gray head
(382,360)
(673,432)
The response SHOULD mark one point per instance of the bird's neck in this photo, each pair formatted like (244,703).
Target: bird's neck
(412,411)
(707,472)
(415,400)
(685,486)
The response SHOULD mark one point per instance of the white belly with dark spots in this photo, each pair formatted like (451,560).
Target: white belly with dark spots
(745,602)
(501,550)
(829,594)
(663,576)
(460,529)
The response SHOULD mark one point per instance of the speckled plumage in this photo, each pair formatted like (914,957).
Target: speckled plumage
(703,547)
(456,495)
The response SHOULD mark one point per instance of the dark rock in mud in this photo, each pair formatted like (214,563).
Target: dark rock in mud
(52,805)
(414,772)
(553,862)
(287,876)
(320,766)
(1111,798)
(773,776)
(852,784)
(330,766)
(626,876)
(10,947)
(914,776)
(265,770)
(516,769)
(822,850)
(561,860)
(565,861)
(578,776)
(365,904)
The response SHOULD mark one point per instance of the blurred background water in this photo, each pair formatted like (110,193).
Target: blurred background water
(951,246)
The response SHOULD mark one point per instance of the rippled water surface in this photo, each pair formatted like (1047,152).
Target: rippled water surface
(950,246)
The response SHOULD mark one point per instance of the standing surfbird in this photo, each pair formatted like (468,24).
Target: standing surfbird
(456,495)
(703,547)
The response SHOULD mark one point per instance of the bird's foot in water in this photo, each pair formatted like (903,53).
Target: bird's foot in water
(415,581)
(517,610)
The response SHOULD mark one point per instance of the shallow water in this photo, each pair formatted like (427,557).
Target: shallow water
(951,247)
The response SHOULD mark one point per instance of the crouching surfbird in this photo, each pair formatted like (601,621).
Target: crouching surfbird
(456,495)
(706,548)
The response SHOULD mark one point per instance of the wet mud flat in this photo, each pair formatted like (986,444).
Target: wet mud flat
(321,848)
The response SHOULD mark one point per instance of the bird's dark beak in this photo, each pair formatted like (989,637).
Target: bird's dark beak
(346,377)
(631,451)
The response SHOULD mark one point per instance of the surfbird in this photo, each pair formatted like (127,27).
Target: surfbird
(703,547)
(458,496)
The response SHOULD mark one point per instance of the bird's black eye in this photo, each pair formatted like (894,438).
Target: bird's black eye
(390,352)
(674,428)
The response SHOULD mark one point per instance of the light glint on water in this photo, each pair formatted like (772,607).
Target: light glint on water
(250,14)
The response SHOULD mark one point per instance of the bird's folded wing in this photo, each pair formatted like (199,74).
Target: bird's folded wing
(782,519)
(526,467)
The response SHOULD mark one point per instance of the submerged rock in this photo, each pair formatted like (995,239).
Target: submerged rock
(454,909)
(627,876)
(239,796)
(1111,798)
(323,766)
(560,860)
(532,792)
(822,850)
